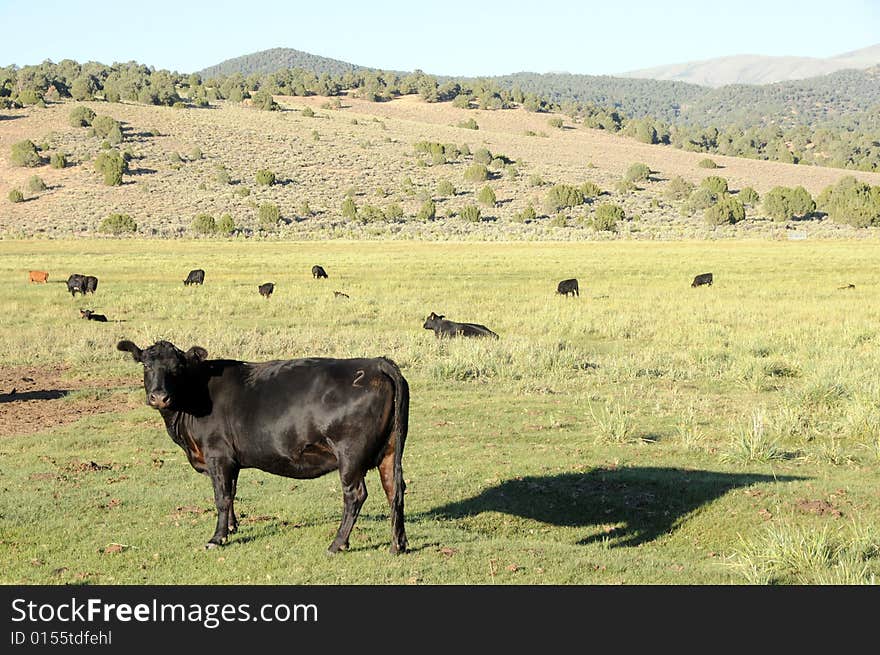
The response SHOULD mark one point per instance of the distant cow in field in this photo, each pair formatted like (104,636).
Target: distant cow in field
(40,277)
(298,418)
(196,276)
(847,286)
(90,284)
(701,279)
(267,289)
(567,287)
(318,272)
(339,294)
(444,328)
(89,315)
(76,283)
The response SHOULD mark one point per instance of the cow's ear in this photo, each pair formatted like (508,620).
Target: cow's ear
(128,346)
(196,354)
(442,316)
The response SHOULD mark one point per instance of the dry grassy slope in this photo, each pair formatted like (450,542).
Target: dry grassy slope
(365,146)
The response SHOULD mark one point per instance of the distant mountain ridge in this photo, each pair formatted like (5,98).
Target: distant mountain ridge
(757,69)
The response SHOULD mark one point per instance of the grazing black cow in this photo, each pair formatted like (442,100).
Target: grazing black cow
(701,279)
(76,283)
(339,294)
(89,315)
(90,283)
(299,418)
(568,287)
(848,286)
(267,289)
(196,276)
(444,328)
(318,272)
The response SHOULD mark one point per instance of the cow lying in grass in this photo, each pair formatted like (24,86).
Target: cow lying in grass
(444,328)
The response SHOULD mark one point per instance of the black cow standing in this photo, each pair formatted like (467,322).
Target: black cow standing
(444,328)
(567,287)
(196,276)
(318,272)
(89,315)
(76,283)
(299,418)
(267,289)
(701,279)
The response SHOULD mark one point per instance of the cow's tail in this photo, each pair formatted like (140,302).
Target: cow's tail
(399,430)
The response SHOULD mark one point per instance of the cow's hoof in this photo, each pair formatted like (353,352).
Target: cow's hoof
(233,528)
(214,544)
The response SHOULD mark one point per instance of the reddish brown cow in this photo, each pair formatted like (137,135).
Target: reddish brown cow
(40,277)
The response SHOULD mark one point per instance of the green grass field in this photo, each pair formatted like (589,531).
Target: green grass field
(646,432)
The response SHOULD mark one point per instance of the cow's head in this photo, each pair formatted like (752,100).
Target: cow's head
(432,321)
(166,370)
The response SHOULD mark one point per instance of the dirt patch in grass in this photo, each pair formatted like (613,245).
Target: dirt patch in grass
(35,399)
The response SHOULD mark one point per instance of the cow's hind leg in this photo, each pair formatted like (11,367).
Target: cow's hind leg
(233,521)
(222,473)
(354,493)
(386,474)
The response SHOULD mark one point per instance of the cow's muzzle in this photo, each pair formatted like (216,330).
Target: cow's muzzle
(159,400)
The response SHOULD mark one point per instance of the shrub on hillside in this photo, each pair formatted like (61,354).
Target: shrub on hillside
(105,125)
(784,203)
(715,184)
(117,224)
(427,211)
(15,196)
(24,153)
(851,202)
(370,214)
(483,156)
(678,188)
(349,209)
(748,196)
(81,116)
(555,122)
(204,224)
(111,165)
(263,100)
(445,188)
(727,210)
(268,216)
(469,124)
(527,214)
(590,190)
(707,163)
(638,172)
(265,177)
(607,216)
(476,173)
(471,213)
(487,196)
(225,225)
(563,195)
(58,160)
(36,184)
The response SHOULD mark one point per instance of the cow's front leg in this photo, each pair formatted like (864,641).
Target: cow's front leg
(354,493)
(222,473)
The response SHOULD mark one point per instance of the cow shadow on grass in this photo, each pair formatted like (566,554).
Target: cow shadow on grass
(625,506)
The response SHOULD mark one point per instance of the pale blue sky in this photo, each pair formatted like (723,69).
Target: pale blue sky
(452,37)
